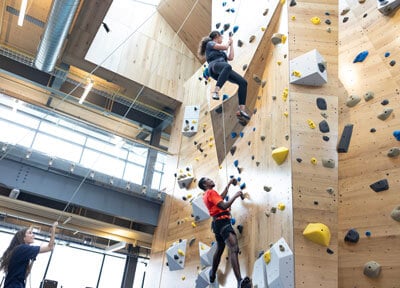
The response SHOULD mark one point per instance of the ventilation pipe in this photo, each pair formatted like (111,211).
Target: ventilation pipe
(59,21)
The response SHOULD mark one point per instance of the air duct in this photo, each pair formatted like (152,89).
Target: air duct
(59,21)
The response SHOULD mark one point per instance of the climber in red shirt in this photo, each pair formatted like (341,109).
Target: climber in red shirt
(222,227)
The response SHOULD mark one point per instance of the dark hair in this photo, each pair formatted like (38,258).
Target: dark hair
(202,183)
(17,240)
(202,47)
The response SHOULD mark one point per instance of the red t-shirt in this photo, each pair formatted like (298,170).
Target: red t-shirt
(211,198)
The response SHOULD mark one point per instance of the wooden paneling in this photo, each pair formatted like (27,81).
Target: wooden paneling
(366,161)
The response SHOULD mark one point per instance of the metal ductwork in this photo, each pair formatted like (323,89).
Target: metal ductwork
(59,21)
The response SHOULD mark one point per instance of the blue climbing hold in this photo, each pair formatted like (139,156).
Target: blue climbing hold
(368,233)
(361,56)
(238,179)
(396,134)
(233,135)
(235,29)
(231,176)
(236,163)
(206,73)
(254,128)
(242,186)
(224,97)
(226,198)
(233,221)
(232,10)
(241,134)
(221,32)
(387,54)
(223,4)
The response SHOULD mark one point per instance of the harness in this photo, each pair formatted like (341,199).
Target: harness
(222,215)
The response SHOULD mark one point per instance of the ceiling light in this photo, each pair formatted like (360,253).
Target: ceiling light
(116,247)
(88,87)
(22,12)
(67,220)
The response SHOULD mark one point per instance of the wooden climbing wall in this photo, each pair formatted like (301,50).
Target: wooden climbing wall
(268,128)
(366,161)
(314,266)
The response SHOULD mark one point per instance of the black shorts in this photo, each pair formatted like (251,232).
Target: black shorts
(221,229)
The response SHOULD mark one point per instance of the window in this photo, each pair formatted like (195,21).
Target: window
(113,271)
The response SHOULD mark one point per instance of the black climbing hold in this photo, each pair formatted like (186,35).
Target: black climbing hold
(252,157)
(299,160)
(380,185)
(344,143)
(226,26)
(372,130)
(240,228)
(392,63)
(293,3)
(249,143)
(217,25)
(327,13)
(184,198)
(175,175)
(233,150)
(345,19)
(195,142)
(239,43)
(219,110)
(321,104)
(187,121)
(365,15)
(352,236)
(255,111)
(200,78)
(328,22)
(323,126)
(321,67)
(385,102)
(325,138)
(176,257)
(261,253)
(316,203)
(329,251)
(197,218)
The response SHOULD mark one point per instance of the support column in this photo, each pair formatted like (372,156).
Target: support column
(130,267)
(151,157)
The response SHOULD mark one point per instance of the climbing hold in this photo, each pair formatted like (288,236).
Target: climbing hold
(314,161)
(263,83)
(344,143)
(256,79)
(311,124)
(233,221)
(267,188)
(276,38)
(280,154)
(393,152)
(224,97)
(318,233)
(385,102)
(328,22)
(287,137)
(323,126)
(372,269)
(368,233)
(184,198)
(249,143)
(217,25)
(263,29)
(281,248)
(180,252)
(315,20)
(227,26)
(299,160)
(286,114)
(385,114)
(257,163)
(267,257)
(176,257)
(235,28)
(345,11)
(387,54)
(279,62)
(321,103)
(380,185)
(293,18)
(194,225)
(325,138)
(240,228)
(330,190)
(361,1)
(396,134)
(324,114)
(396,214)
(262,138)
(241,134)
(352,236)
(296,73)
(285,94)
(329,251)
(183,278)
(191,242)
(284,37)
(392,63)
(365,15)
(281,206)
(372,130)
(242,186)
(232,150)
(329,29)
(236,163)
(265,12)
(368,96)
(345,19)
(273,210)
(252,38)
(361,56)
(292,3)
(244,67)
(352,100)
(233,135)
(223,4)
(328,163)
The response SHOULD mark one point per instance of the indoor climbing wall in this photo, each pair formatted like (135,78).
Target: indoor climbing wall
(257,158)
(313,111)
(368,205)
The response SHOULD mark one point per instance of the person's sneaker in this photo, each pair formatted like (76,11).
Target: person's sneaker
(245,283)
(215,96)
(212,278)
(243,114)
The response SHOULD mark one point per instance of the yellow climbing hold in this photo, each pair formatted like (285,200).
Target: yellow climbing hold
(281,206)
(197,159)
(296,73)
(263,29)
(315,20)
(318,233)
(285,94)
(280,154)
(314,161)
(180,252)
(284,37)
(202,247)
(293,17)
(283,1)
(210,144)
(267,257)
(204,125)
(311,124)
(183,278)
(188,196)
(194,225)
(220,166)
(279,62)
(286,114)
(211,138)
(194,121)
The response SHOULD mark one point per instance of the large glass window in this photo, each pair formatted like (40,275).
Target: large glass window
(113,271)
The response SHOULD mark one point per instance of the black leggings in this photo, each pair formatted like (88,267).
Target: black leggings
(222,72)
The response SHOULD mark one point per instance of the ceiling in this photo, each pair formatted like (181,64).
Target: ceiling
(16,65)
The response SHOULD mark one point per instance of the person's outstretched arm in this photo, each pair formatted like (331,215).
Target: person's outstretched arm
(50,245)
(231,54)
(227,204)
(225,192)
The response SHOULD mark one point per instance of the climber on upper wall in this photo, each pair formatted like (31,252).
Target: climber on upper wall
(217,56)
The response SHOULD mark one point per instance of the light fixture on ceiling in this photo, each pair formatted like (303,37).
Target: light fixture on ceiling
(22,12)
(88,87)
(116,246)
(67,220)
